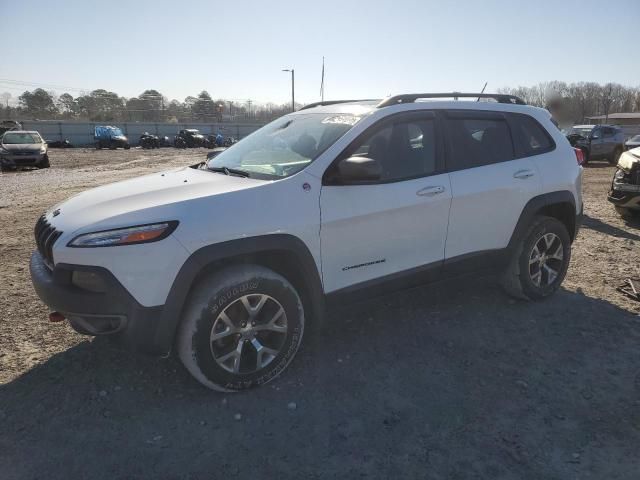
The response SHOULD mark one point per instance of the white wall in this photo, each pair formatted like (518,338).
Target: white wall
(81,133)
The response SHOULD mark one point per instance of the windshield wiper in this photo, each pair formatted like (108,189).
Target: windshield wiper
(229,171)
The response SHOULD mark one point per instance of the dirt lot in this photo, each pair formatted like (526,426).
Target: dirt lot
(454,381)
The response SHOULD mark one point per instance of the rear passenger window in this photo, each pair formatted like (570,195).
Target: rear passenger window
(479,141)
(608,132)
(532,137)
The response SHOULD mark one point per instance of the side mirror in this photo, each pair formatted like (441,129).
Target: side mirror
(359,169)
(595,136)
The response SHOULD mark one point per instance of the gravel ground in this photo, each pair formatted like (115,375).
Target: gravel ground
(453,381)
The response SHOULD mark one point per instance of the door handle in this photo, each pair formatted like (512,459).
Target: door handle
(523,174)
(430,191)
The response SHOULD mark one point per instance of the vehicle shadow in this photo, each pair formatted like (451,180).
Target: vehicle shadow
(455,380)
(602,227)
(598,164)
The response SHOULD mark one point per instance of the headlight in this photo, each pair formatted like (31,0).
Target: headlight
(43,149)
(125,236)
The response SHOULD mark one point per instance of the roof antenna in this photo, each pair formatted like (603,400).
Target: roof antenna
(485,86)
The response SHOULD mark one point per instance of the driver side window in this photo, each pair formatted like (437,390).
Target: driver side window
(404,149)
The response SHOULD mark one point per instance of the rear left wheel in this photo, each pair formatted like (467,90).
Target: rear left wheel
(540,261)
(241,328)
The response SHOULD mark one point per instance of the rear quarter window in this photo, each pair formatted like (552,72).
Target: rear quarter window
(531,137)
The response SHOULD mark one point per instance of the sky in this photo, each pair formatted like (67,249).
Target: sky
(237,49)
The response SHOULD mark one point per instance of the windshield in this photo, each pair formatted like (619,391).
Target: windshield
(585,132)
(285,146)
(21,138)
(635,139)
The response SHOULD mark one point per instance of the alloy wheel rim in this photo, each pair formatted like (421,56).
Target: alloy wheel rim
(248,334)
(546,260)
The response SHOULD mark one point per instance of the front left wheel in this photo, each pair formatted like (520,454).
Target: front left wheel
(241,328)
(44,163)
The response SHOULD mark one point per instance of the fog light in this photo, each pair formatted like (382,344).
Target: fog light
(90,281)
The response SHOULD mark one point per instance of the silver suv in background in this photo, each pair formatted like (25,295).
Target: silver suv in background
(23,148)
(598,142)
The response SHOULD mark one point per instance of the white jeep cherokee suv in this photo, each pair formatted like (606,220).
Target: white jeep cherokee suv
(231,261)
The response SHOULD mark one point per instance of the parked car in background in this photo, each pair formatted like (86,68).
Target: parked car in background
(598,142)
(7,125)
(23,148)
(633,142)
(219,140)
(110,137)
(189,138)
(625,187)
(148,140)
(231,263)
(59,143)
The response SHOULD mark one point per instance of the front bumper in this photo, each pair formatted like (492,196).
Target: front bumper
(624,199)
(13,160)
(110,311)
(625,189)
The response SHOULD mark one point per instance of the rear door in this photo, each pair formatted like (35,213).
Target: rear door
(397,224)
(491,181)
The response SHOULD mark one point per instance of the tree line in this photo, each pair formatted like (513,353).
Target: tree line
(575,102)
(150,106)
(570,103)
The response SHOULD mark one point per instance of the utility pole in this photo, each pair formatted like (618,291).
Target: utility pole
(293,87)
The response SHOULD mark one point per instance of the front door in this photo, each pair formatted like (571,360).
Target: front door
(396,225)
(597,143)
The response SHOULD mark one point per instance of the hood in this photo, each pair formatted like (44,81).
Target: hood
(629,159)
(22,146)
(144,199)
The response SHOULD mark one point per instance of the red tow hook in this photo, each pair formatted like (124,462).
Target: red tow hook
(56,317)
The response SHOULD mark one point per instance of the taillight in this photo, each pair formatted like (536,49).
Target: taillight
(579,155)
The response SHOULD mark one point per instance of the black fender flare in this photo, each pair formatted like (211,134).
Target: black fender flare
(535,205)
(203,259)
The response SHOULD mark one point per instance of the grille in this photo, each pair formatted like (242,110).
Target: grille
(46,235)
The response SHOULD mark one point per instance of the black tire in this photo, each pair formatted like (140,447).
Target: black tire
(627,213)
(44,163)
(127,146)
(613,160)
(98,145)
(223,292)
(518,280)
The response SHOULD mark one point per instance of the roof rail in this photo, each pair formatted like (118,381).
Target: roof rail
(334,102)
(412,97)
